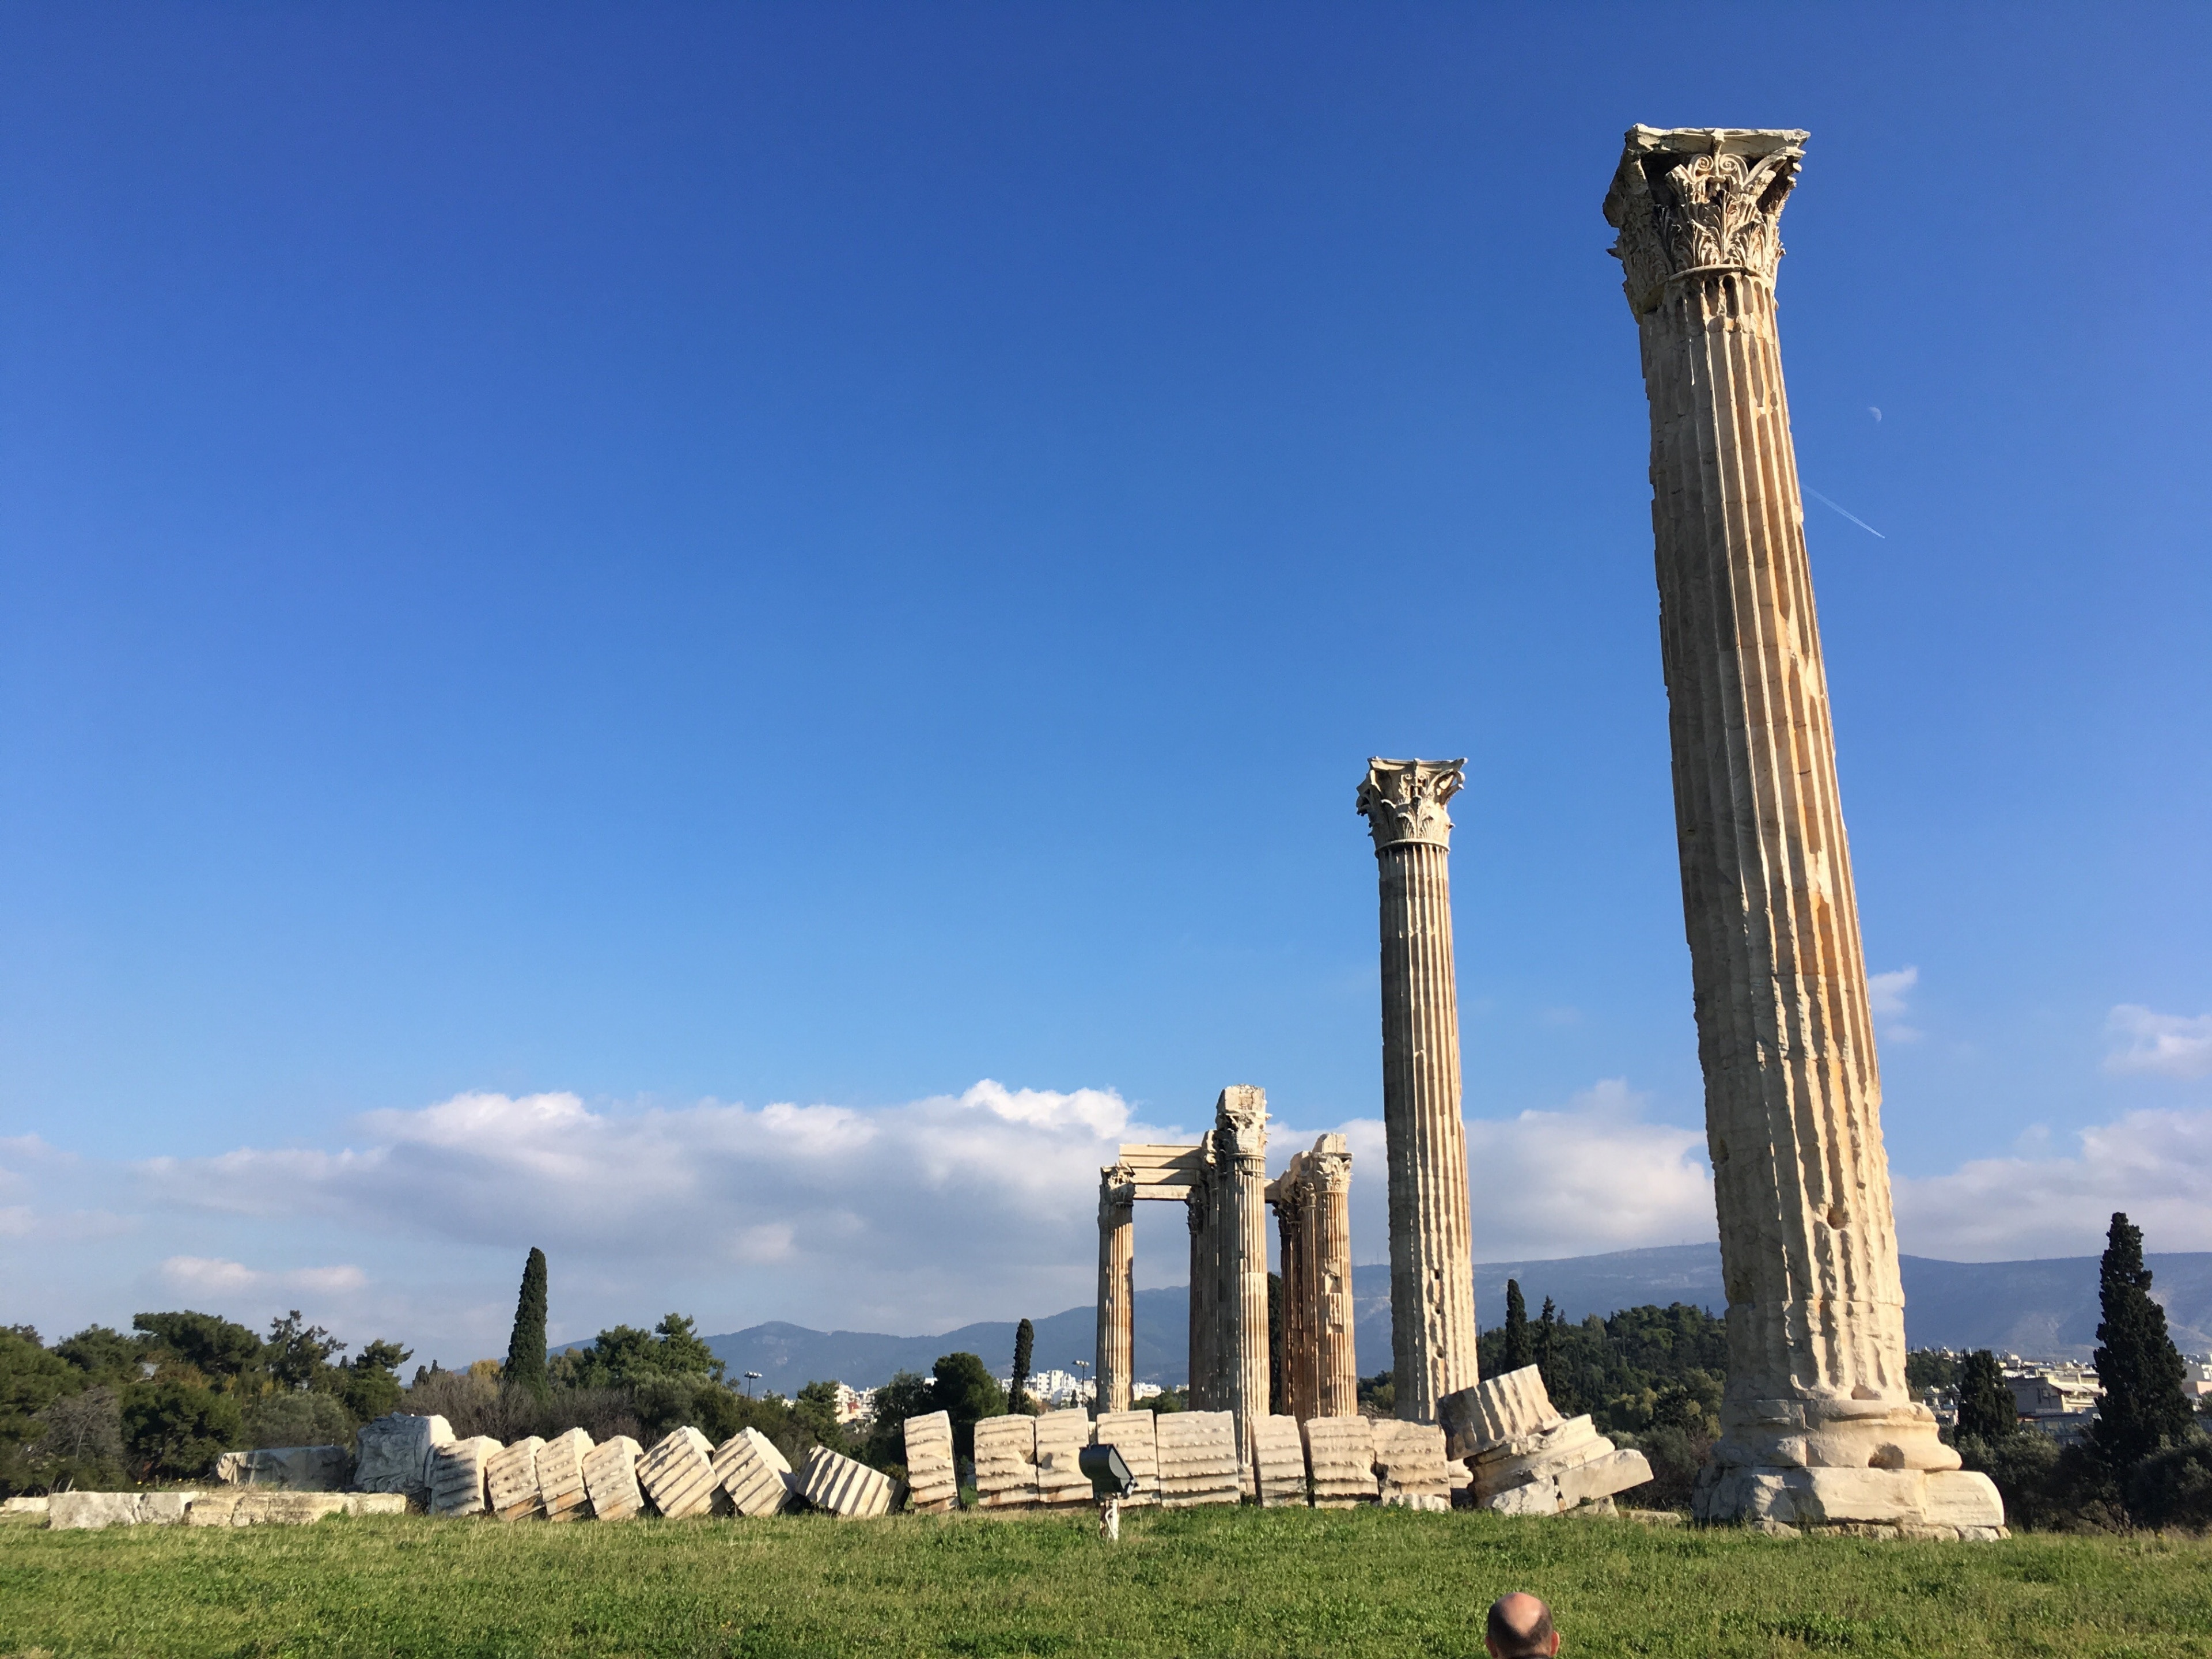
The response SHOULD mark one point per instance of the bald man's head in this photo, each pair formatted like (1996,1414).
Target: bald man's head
(1520,1628)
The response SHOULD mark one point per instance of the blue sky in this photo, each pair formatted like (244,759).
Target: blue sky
(669,562)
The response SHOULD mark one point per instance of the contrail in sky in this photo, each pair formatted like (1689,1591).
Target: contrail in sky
(1848,514)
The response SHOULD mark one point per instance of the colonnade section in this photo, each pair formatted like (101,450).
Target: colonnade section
(1313,1217)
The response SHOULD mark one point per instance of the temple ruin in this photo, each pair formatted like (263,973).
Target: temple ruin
(1222,1182)
(1818,1426)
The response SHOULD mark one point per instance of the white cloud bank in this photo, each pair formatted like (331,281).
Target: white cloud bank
(2162,1045)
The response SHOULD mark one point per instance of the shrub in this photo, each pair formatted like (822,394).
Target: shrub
(2174,1487)
(298,1419)
(174,1431)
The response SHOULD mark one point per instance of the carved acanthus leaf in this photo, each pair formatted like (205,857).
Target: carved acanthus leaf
(1697,199)
(1404,800)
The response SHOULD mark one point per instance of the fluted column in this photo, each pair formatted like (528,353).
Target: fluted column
(1199,1208)
(1334,1389)
(1240,1154)
(1793,1097)
(1117,1286)
(1290,1208)
(1432,1334)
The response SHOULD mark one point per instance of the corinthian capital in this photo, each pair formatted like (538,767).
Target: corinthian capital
(1404,799)
(1699,198)
(1240,1120)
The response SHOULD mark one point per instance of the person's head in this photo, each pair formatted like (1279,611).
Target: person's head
(1520,1627)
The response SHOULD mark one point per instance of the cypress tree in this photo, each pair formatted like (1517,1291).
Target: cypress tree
(2139,1367)
(1986,1409)
(1025,1342)
(1518,1353)
(526,1349)
(1548,1348)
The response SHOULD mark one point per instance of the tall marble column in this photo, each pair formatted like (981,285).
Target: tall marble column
(1240,1156)
(1204,1273)
(1793,1097)
(1117,1286)
(1432,1333)
(1335,1384)
(1293,1210)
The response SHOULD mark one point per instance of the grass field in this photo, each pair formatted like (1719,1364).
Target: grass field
(1290,1583)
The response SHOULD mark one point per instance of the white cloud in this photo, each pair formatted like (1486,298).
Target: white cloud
(2156,1165)
(1885,993)
(200,1275)
(2165,1045)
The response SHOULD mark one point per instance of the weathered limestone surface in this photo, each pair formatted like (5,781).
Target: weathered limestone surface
(679,1475)
(1312,1200)
(392,1454)
(1240,1156)
(1409,1465)
(1512,1407)
(1793,1093)
(456,1475)
(1060,1439)
(560,1465)
(1525,1458)
(91,1511)
(611,1479)
(932,1477)
(246,1507)
(23,1506)
(1117,1286)
(755,1476)
(373,1502)
(1133,1435)
(1006,1462)
(1432,1332)
(291,1468)
(511,1480)
(1279,1462)
(1341,1456)
(842,1488)
(1198,1458)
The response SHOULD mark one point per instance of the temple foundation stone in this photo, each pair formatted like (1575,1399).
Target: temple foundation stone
(1818,1428)
(1432,1333)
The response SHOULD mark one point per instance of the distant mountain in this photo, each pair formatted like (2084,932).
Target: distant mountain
(2042,1308)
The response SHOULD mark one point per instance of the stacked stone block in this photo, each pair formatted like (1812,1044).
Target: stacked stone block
(611,1479)
(511,1481)
(1060,1439)
(561,1491)
(840,1486)
(1279,1462)
(456,1475)
(1409,1465)
(1526,1459)
(1340,1458)
(679,1475)
(933,1477)
(754,1475)
(1006,1463)
(393,1454)
(1133,1435)
(1198,1460)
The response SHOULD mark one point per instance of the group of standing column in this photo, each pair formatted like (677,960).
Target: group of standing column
(1313,1220)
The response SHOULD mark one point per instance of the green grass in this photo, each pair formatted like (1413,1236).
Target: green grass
(1290,1582)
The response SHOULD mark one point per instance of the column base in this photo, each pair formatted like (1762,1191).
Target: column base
(1866,1503)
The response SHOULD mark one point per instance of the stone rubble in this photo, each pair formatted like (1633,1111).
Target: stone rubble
(1198,1460)
(1006,1463)
(1526,1459)
(932,1479)
(1279,1462)
(1060,1439)
(1409,1465)
(560,1463)
(611,1479)
(1341,1456)
(288,1469)
(1132,1435)
(511,1481)
(754,1475)
(392,1454)
(456,1475)
(679,1475)
(842,1488)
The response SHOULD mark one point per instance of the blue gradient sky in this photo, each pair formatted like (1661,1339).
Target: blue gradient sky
(825,554)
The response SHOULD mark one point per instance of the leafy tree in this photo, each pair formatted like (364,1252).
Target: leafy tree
(624,1354)
(1639,1367)
(173,1430)
(297,1417)
(2143,1407)
(1519,1351)
(816,1411)
(31,1379)
(298,1355)
(526,1348)
(1925,1368)
(1987,1410)
(1018,1388)
(370,1388)
(1378,1394)
(80,1445)
(965,1391)
(1167,1399)
(222,1353)
(909,1394)
(106,1357)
